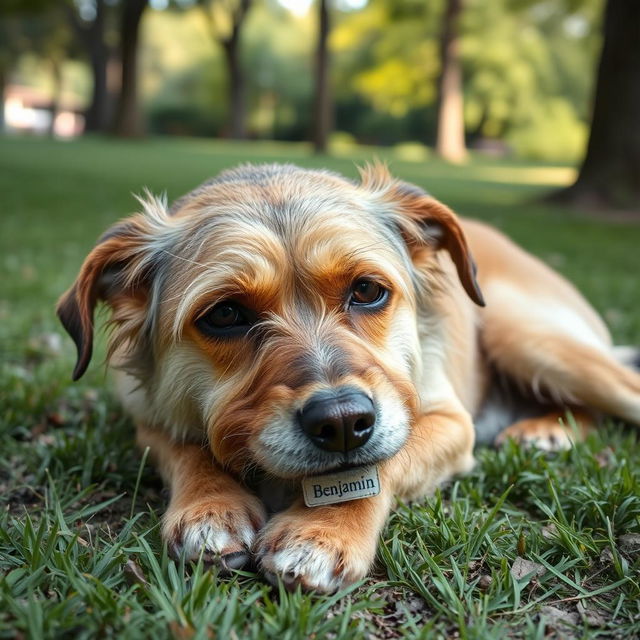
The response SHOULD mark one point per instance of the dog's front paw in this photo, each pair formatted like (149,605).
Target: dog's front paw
(221,533)
(317,551)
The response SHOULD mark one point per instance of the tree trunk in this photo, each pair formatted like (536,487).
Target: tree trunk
(236,91)
(610,174)
(450,128)
(322,116)
(97,114)
(127,122)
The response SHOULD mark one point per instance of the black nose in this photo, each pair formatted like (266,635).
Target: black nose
(339,419)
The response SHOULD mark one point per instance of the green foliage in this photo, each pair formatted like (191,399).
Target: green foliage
(388,57)
(553,131)
(73,560)
(188,88)
(33,27)
(528,68)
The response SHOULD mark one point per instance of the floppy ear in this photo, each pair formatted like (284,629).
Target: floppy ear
(119,264)
(424,221)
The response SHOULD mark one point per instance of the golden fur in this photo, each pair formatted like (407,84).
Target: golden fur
(220,414)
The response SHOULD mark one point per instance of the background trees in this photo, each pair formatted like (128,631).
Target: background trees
(225,20)
(384,73)
(450,142)
(127,122)
(90,28)
(610,173)
(322,116)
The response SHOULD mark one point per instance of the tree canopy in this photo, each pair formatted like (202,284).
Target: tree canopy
(527,69)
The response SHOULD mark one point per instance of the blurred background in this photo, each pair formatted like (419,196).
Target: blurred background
(520,79)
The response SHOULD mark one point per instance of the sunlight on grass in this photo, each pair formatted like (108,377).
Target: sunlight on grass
(542,176)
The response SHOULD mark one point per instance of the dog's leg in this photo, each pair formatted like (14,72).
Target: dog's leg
(209,512)
(551,432)
(571,371)
(325,548)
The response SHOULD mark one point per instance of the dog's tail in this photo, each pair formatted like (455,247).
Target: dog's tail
(627,356)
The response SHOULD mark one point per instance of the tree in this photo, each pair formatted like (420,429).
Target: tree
(526,68)
(127,121)
(225,20)
(322,116)
(385,71)
(450,143)
(610,173)
(91,33)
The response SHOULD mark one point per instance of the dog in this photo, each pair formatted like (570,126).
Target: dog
(298,350)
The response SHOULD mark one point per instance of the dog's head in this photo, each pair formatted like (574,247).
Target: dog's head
(274,311)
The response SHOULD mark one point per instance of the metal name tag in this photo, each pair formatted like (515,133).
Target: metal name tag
(332,488)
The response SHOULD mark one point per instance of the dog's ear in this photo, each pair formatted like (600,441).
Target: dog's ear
(119,265)
(424,221)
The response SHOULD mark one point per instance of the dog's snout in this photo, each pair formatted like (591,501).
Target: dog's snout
(338,419)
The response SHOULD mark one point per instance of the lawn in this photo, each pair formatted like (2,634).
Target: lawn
(526,545)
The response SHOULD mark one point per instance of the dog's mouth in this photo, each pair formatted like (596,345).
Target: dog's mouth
(349,462)
(317,468)
(345,466)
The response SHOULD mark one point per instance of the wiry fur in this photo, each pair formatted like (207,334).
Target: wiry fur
(289,243)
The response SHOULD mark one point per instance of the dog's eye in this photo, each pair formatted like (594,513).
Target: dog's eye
(225,319)
(368,293)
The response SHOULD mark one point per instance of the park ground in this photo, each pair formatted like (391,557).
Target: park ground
(527,545)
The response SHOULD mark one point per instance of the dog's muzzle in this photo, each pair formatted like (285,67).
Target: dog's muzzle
(340,419)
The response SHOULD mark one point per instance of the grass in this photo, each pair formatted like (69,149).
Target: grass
(527,545)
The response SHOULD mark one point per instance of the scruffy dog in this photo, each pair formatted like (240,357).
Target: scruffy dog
(281,328)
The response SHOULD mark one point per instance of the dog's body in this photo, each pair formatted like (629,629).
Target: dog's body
(279,323)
